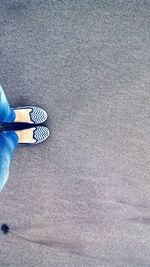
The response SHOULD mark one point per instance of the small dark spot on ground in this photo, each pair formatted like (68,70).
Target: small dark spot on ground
(5,229)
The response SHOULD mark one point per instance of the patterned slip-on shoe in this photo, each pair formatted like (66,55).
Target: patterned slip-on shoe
(37,115)
(40,134)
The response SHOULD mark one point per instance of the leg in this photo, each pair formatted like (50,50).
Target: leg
(8,143)
(7,114)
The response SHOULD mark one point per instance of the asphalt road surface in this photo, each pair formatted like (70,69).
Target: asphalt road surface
(82,198)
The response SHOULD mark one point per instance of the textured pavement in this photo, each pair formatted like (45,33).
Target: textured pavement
(82,198)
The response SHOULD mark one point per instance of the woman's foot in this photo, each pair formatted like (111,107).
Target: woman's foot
(34,135)
(30,114)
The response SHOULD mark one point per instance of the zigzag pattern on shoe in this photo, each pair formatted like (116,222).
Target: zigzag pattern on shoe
(40,134)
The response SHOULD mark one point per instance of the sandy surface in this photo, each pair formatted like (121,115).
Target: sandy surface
(81,199)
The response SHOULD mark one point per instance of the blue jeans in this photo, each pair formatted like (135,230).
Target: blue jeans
(8,139)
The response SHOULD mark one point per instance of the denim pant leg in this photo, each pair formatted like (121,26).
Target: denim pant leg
(8,143)
(7,114)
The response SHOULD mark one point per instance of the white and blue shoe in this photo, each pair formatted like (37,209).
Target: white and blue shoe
(37,115)
(35,135)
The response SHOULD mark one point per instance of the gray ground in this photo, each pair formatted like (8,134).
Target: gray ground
(81,199)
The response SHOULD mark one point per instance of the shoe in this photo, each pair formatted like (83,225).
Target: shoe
(34,115)
(34,135)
